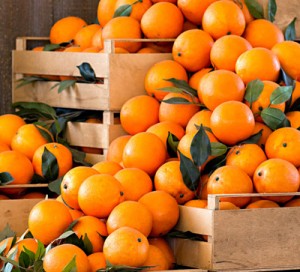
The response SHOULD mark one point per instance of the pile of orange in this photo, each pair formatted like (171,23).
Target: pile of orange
(24,150)
(223,90)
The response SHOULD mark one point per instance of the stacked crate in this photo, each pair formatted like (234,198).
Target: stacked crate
(121,77)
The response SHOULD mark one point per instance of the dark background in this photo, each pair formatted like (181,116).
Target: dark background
(32,18)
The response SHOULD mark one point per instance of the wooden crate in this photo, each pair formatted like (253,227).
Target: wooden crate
(247,239)
(14,212)
(122,76)
(91,135)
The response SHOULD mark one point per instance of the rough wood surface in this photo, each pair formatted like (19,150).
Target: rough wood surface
(32,18)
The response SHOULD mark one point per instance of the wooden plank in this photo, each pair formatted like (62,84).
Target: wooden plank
(15,213)
(256,239)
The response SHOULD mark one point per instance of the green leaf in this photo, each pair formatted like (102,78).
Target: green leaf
(65,84)
(71,266)
(182,84)
(214,164)
(45,134)
(79,157)
(200,147)
(253,90)
(63,236)
(26,258)
(172,145)
(40,253)
(281,95)
(290,31)
(273,117)
(272,9)
(54,186)
(87,72)
(171,89)
(124,10)
(288,81)
(50,168)
(6,178)
(189,171)
(40,108)
(51,47)
(253,139)
(255,9)
(28,80)
(218,149)
(38,266)
(177,100)
(6,232)
(87,245)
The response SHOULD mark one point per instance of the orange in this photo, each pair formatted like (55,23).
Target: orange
(139,113)
(294,118)
(64,29)
(276,176)
(263,203)
(28,243)
(105,11)
(266,131)
(222,18)
(195,79)
(178,113)
(9,125)
(162,129)
(164,209)
(168,178)
(135,182)
(284,143)
(263,33)
(48,219)
(162,21)
(93,228)
(99,194)
(139,150)
(18,166)
(97,39)
(257,63)
(92,49)
(156,77)
(34,195)
(97,261)
(229,117)
(211,88)
(84,36)
(226,51)
(117,50)
(248,17)
(192,48)
(196,203)
(57,258)
(247,157)
(63,156)
(288,53)
(4,147)
(123,27)
(115,149)
(76,214)
(126,246)
(230,179)
(199,118)
(170,1)
(193,10)
(225,205)
(71,182)
(29,138)
(130,214)
(146,50)
(293,203)
(156,260)
(264,100)
(107,167)
(164,246)
(138,7)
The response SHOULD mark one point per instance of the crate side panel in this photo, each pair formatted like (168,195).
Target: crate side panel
(58,63)
(15,213)
(190,253)
(127,75)
(81,96)
(256,239)
(92,135)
